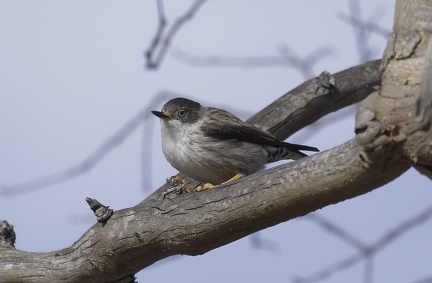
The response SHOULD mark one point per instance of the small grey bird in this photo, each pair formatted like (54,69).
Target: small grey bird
(213,146)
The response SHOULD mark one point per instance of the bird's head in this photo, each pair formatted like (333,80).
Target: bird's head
(179,109)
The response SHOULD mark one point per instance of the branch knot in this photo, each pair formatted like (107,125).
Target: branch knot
(7,234)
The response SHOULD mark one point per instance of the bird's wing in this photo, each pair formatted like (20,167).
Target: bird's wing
(234,128)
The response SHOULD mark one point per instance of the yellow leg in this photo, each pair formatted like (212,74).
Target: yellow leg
(179,182)
(235,177)
(206,186)
(209,186)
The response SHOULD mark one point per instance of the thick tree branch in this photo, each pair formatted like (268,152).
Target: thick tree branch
(388,122)
(399,115)
(196,223)
(419,145)
(318,97)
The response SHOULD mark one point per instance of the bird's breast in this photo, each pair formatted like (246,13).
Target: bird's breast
(208,159)
(177,144)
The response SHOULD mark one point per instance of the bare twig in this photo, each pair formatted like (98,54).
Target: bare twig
(362,29)
(7,235)
(330,270)
(364,252)
(305,65)
(257,242)
(158,36)
(94,158)
(286,58)
(160,43)
(368,26)
(337,231)
(368,269)
(424,280)
(102,212)
(401,229)
(81,168)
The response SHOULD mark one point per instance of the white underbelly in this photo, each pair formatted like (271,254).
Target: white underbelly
(208,161)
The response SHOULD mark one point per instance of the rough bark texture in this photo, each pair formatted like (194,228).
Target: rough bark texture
(393,128)
(397,119)
(316,98)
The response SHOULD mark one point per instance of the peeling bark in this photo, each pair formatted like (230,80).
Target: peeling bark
(398,117)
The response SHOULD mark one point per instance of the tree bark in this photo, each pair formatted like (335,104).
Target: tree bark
(393,127)
(398,117)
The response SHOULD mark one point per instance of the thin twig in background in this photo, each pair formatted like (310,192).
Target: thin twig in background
(330,270)
(363,29)
(158,36)
(82,167)
(424,280)
(92,160)
(403,227)
(160,43)
(337,231)
(369,26)
(286,58)
(364,252)
(258,242)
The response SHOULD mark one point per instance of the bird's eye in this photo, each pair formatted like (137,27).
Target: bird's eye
(182,113)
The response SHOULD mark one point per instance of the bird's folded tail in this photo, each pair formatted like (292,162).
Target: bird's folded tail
(289,151)
(294,146)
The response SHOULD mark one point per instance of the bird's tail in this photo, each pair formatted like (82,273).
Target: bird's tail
(289,151)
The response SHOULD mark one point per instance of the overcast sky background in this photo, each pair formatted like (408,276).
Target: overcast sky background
(72,74)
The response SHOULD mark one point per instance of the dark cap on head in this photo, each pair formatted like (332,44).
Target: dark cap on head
(180,108)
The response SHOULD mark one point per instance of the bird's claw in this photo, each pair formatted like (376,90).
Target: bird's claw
(206,186)
(176,187)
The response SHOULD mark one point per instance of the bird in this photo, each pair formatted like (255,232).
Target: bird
(213,146)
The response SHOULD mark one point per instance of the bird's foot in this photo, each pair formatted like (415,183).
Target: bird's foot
(176,187)
(209,186)
(235,177)
(205,187)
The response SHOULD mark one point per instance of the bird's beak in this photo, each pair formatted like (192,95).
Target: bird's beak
(159,114)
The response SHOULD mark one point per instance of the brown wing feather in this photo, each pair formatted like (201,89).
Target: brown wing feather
(234,128)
